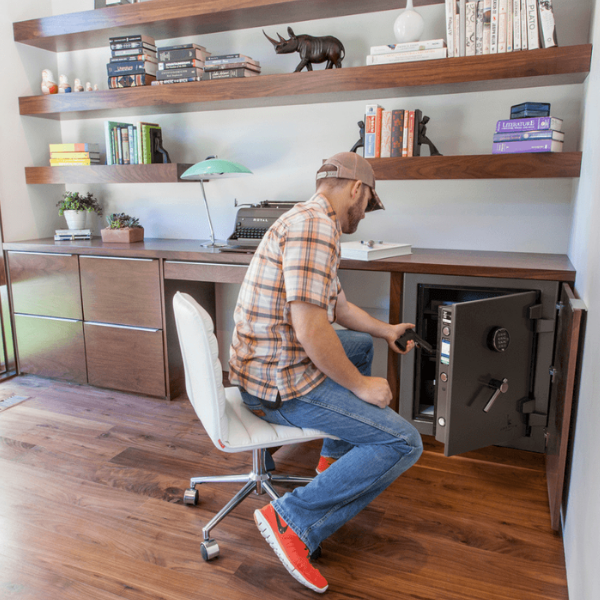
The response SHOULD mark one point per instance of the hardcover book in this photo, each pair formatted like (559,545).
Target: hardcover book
(130,80)
(132,38)
(182,47)
(64,162)
(516,25)
(362,251)
(134,52)
(397,132)
(408,47)
(372,130)
(479,29)
(450,12)
(184,80)
(181,64)
(533,35)
(524,44)
(228,74)
(545,106)
(67,155)
(547,134)
(133,57)
(417,121)
(471,8)
(502,17)
(179,73)
(509,26)
(494,27)
(547,23)
(529,113)
(400,57)
(411,133)
(527,146)
(487,25)
(109,127)
(131,67)
(233,65)
(386,134)
(132,46)
(74,147)
(182,54)
(532,124)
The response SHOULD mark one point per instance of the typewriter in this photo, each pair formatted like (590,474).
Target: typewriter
(252,222)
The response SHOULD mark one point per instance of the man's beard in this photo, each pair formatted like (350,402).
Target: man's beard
(355,214)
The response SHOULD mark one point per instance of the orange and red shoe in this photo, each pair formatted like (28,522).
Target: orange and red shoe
(324,463)
(289,548)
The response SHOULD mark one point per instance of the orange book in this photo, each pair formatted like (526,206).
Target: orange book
(411,132)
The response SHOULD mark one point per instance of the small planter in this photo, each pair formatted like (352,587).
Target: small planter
(75,218)
(126,235)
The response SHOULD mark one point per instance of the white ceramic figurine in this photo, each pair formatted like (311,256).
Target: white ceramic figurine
(64,87)
(77,87)
(48,83)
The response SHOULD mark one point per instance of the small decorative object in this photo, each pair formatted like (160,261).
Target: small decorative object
(48,83)
(408,27)
(423,139)
(88,87)
(95,87)
(75,208)
(77,87)
(64,87)
(122,228)
(361,142)
(159,154)
(311,49)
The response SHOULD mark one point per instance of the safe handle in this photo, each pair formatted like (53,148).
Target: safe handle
(501,388)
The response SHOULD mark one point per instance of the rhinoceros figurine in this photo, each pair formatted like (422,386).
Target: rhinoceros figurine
(312,49)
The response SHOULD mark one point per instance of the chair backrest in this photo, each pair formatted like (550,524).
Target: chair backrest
(203,370)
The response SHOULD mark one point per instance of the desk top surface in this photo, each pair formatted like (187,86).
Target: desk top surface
(521,265)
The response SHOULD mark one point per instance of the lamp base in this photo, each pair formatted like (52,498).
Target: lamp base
(215,244)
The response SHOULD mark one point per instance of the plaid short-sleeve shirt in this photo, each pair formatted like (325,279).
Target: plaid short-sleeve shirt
(297,260)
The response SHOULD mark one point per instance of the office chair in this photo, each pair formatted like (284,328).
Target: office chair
(229,424)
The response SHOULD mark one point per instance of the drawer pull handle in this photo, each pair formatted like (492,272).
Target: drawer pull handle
(118,258)
(205,264)
(48,318)
(39,253)
(121,326)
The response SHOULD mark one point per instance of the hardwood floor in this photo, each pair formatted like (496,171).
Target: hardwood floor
(91,483)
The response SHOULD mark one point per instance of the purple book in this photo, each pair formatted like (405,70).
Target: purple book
(531,124)
(527,146)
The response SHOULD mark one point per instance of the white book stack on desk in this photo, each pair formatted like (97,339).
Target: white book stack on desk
(372,250)
(72,234)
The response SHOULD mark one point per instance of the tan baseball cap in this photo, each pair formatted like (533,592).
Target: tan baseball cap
(349,165)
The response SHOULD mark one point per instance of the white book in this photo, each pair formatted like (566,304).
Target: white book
(408,47)
(494,27)
(502,18)
(405,134)
(524,25)
(471,10)
(450,7)
(456,34)
(547,24)
(73,232)
(386,134)
(509,26)
(516,25)
(363,250)
(487,25)
(533,34)
(479,29)
(400,57)
(463,27)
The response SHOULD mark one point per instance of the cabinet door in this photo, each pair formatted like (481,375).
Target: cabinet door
(45,284)
(121,291)
(125,358)
(51,347)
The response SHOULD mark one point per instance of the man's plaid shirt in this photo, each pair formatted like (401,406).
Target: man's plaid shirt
(297,260)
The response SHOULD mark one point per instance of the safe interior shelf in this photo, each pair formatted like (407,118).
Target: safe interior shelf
(157,173)
(532,68)
(166,19)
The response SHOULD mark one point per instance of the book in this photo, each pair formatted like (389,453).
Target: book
(545,106)
(184,80)
(146,141)
(182,54)
(59,155)
(547,24)
(228,74)
(532,124)
(526,146)
(234,65)
(132,38)
(66,162)
(502,25)
(533,39)
(372,131)
(132,45)
(132,58)
(400,57)
(450,10)
(524,44)
(131,68)
(75,231)
(362,251)
(462,13)
(411,133)
(181,64)
(516,25)
(417,122)
(72,237)
(134,52)
(405,134)
(518,136)
(529,113)
(487,25)
(211,61)
(479,29)
(397,132)
(408,47)
(231,57)
(494,27)
(179,73)
(509,26)
(386,134)
(471,8)
(74,147)
(457,29)
(189,46)
(133,80)
(109,127)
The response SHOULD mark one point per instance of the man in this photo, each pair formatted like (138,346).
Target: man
(295,369)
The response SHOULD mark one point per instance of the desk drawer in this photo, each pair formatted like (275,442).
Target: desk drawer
(197,271)
(125,358)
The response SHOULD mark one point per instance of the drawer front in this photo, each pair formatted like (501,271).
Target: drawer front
(122,291)
(51,347)
(195,271)
(127,359)
(45,284)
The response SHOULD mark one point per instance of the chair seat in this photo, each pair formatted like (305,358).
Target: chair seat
(249,432)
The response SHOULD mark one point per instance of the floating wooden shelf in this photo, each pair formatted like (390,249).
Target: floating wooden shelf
(480,166)
(157,173)
(167,19)
(533,68)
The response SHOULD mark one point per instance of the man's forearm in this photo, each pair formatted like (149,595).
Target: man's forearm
(355,318)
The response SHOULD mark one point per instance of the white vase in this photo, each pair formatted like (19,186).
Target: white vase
(408,27)
(75,218)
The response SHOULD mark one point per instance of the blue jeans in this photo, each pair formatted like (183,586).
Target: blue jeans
(375,447)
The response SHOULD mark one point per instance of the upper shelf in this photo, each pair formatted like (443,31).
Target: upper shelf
(166,19)
(532,68)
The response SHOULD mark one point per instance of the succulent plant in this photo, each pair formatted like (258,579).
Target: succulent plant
(122,221)
(73,201)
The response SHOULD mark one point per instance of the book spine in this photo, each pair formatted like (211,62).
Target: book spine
(408,47)
(494,27)
(123,81)
(471,8)
(182,64)
(146,143)
(71,155)
(120,145)
(527,146)
(502,18)
(524,44)
(238,65)
(133,57)
(131,68)
(401,57)
(405,134)
(457,32)
(75,161)
(463,27)
(479,29)
(186,80)
(411,133)
(418,119)
(228,74)
(386,134)
(516,25)
(108,142)
(529,135)
(397,130)
(180,73)
(74,147)
(186,54)
(547,24)
(132,52)
(450,26)
(533,33)
(132,45)
(214,60)
(370,130)
(189,46)
(487,25)
(509,26)
(532,124)
(130,145)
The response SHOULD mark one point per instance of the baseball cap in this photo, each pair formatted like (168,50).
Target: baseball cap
(349,165)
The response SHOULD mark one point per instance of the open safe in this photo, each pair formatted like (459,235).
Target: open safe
(488,379)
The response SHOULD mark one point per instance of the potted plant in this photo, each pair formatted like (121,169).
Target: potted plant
(75,208)
(122,228)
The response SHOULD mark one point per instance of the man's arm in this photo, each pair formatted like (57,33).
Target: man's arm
(323,346)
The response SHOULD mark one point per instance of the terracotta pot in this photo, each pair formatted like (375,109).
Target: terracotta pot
(126,235)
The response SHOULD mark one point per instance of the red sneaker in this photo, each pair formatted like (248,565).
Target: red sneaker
(324,463)
(289,548)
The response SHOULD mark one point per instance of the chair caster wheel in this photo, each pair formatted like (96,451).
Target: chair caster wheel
(209,550)
(317,553)
(190,497)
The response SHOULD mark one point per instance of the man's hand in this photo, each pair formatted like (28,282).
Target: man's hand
(395,332)
(374,390)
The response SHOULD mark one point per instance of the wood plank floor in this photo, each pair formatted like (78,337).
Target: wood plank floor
(91,483)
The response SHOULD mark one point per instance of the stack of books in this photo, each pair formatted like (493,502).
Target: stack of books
(70,235)
(391,133)
(133,61)
(407,52)
(131,144)
(180,64)
(532,134)
(497,26)
(229,66)
(62,155)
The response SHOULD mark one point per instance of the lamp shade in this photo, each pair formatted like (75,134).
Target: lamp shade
(215,168)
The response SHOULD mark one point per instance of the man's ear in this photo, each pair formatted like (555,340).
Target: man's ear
(355,189)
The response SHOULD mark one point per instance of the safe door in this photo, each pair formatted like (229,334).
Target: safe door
(485,371)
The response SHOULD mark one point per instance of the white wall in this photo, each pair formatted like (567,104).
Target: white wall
(582,518)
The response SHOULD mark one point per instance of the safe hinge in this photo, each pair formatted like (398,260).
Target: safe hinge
(553,372)
(534,418)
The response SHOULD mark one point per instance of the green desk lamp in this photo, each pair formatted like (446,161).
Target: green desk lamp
(214,168)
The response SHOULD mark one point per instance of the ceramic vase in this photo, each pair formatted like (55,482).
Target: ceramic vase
(75,218)
(408,27)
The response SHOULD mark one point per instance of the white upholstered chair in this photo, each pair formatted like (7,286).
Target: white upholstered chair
(229,424)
